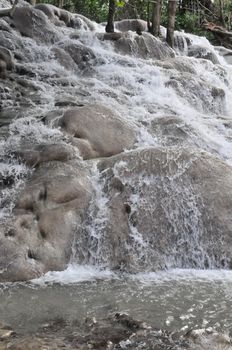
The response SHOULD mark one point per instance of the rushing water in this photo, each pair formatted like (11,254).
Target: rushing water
(174,300)
(141,92)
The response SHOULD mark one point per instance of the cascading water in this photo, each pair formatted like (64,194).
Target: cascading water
(174,105)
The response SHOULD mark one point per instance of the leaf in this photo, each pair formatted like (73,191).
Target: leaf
(120,3)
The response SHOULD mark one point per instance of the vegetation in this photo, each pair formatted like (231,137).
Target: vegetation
(185,15)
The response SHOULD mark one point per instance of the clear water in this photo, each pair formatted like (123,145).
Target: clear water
(174,300)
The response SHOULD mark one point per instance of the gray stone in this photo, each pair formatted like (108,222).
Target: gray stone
(24,19)
(135,25)
(202,52)
(144,46)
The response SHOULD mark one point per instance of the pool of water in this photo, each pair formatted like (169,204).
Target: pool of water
(174,300)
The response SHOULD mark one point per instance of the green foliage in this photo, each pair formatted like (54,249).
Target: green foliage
(96,10)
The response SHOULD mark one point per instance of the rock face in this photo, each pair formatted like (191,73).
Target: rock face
(135,25)
(143,46)
(24,19)
(45,221)
(202,52)
(165,208)
(97,131)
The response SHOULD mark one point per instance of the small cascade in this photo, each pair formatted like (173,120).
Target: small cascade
(90,247)
(162,206)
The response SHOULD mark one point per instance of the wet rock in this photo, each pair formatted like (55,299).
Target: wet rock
(172,131)
(50,11)
(6,61)
(80,54)
(97,131)
(180,63)
(64,58)
(225,53)
(36,154)
(10,41)
(135,25)
(198,92)
(172,206)
(144,46)
(81,22)
(4,26)
(24,19)
(202,52)
(40,233)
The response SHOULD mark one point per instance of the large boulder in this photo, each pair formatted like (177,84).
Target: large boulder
(135,25)
(225,53)
(33,155)
(200,93)
(82,55)
(33,23)
(163,208)
(6,61)
(144,46)
(198,51)
(97,131)
(39,235)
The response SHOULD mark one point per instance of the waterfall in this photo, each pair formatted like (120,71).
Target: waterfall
(173,104)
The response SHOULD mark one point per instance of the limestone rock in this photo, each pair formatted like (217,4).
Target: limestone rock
(34,155)
(165,208)
(135,25)
(40,234)
(225,53)
(80,54)
(144,46)
(198,92)
(202,52)
(97,131)
(24,19)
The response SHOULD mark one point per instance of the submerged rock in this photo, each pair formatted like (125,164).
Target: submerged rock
(114,332)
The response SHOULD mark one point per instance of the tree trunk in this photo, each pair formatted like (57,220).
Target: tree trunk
(221,4)
(171,22)
(156,13)
(61,3)
(110,22)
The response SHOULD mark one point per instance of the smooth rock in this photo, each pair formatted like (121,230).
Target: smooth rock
(144,46)
(135,25)
(165,208)
(24,19)
(97,131)
(39,236)
(36,154)
(202,52)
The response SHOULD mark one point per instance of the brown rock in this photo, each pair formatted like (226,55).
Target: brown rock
(49,210)
(97,131)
